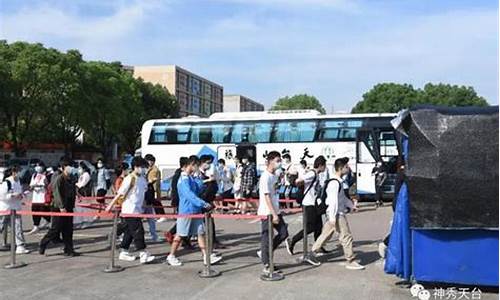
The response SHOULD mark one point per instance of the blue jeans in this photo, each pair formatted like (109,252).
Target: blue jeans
(151,222)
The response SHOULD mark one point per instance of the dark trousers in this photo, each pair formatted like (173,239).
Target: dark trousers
(42,208)
(158,206)
(134,232)
(121,227)
(314,224)
(60,225)
(281,228)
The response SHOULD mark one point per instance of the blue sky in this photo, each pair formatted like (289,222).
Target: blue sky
(335,50)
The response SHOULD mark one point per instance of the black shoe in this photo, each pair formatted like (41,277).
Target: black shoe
(41,250)
(71,254)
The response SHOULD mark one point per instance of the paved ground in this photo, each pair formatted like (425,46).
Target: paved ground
(56,277)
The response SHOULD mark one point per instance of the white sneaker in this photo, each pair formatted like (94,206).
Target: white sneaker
(354,265)
(22,250)
(213,259)
(381,249)
(35,229)
(173,261)
(145,257)
(124,255)
(161,220)
(259,254)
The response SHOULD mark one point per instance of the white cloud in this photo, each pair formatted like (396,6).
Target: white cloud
(265,55)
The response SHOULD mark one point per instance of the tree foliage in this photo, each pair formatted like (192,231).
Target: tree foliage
(50,96)
(301,101)
(392,97)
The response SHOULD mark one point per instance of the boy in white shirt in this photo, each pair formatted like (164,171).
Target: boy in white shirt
(132,190)
(338,205)
(269,205)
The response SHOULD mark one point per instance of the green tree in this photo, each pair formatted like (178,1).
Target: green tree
(392,97)
(302,101)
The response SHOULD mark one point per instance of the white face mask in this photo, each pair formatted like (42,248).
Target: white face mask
(69,170)
(244,161)
(38,169)
(277,165)
(100,165)
(80,171)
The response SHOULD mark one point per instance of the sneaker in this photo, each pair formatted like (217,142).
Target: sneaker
(289,246)
(354,265)
(313,262)
(169,237)
(213,259)
(381,249)
(124,255)
(161,220)
(259,254)
(22,250)
(35,229)
(173,261)
(145,257)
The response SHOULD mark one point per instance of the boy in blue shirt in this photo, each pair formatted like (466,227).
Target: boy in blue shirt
(188,190)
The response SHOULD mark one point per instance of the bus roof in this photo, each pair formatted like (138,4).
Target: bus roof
(272,115)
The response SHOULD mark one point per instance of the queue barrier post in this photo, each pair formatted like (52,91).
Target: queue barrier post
(207,271)
(13,264)
(112,268)
(271,276)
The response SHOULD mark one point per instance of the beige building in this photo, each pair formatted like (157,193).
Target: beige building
(239,103)
(196,95)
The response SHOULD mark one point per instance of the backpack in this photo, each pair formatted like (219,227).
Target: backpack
(322,206)
(301,192)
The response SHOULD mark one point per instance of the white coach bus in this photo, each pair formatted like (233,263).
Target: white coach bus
(306,134)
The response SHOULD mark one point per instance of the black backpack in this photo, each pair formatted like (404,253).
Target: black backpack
(321,195)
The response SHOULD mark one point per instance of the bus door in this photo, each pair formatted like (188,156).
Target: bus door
(366,154)
(247,149)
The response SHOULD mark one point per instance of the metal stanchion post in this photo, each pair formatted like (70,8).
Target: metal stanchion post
(207,271)
(13,264)
(112,268)
(306,256)
(271,276)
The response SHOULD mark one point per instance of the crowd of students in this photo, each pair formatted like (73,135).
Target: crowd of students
(197,186)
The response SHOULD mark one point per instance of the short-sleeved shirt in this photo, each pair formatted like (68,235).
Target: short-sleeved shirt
(309,178)
(268,185)
(133,203)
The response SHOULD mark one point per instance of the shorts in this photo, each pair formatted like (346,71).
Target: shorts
(190,227)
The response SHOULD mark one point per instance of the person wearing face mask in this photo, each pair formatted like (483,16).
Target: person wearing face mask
(238,193)
(289,175)
(11,195)
(84,189)
(269,205)
(314,222)
(132,191)
(226,176)
(154,179)
(338,206)
(248,181)
(209,188)
(190,203)
(103,181)
(64,194)
(38,187)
